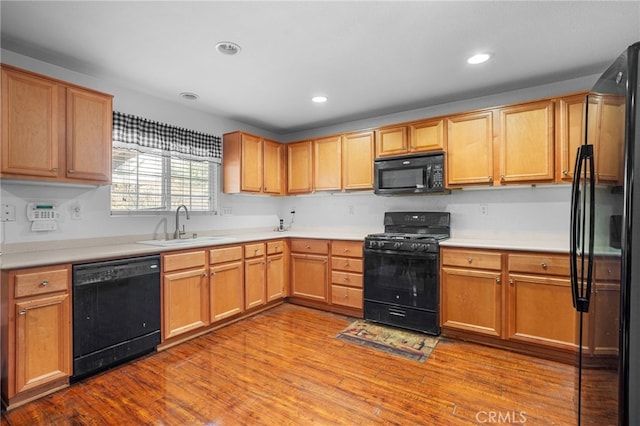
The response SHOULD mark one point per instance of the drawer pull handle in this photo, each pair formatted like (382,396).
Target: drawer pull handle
(346,250)
(22,312)
(469,259)
(544,265)
(346,264)
(345,279)
(44,283)
(307,247)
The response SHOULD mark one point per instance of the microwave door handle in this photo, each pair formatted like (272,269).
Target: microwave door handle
(429,177)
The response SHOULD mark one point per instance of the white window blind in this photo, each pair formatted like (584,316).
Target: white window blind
(147,176)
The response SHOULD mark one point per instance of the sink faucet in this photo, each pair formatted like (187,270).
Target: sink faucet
(178,233)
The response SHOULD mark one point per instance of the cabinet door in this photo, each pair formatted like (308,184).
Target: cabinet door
(541,312)
(610,141)
(251,163)
(254,283)
(309,276)
(357,161)
(346,296)
(327,161)
(273,168)
(300,173)
(471,300)
(570,133)
(391,141)
(186,302)
(276,277)
(526,139)
(89,117)
(31,125)
(226,290)
(470,149)
(428,135)
(43,341)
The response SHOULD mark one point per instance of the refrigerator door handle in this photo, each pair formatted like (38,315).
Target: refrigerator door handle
(582,228)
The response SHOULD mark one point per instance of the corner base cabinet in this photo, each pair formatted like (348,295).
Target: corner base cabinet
(36,332)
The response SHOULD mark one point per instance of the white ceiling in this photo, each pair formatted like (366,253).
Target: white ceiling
(368,58)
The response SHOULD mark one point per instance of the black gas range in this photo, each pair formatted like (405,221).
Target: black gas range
(401,270)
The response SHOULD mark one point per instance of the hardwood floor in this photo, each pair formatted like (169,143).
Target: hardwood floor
(284,367)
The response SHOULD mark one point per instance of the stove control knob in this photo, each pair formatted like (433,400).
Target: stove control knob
(414,246)
(397,245)
(424,247)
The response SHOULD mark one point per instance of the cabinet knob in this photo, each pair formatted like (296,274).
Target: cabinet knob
(307,247)
(565,172)
(55,169)
(44,283)
(498,280)
(469,259)
(502,178)
(22,312)
(204,274)
(71,171)
(511,282)
(544,265)
(345,279)
(269,261)
(346,264)
(346,250)
(490,178)
(609,271)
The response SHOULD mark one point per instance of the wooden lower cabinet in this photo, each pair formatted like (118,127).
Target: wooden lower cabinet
(518,300)
(185,293)
(36,332)
(471,300)
(255,284)
(346,274)
(277,268)
(226,282)
(309,276)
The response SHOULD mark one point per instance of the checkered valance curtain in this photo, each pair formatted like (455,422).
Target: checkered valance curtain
(140,134)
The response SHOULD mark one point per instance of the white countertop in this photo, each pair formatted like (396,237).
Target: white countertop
(28,255)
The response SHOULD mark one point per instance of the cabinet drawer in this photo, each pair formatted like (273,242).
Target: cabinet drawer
(346,264)
(254,250)
(33,283)
(346,296)
(177,261)
(347,248)
(226,254)
(472,259)
(608,269)
(546,264)
(346,278)
(310,246)
(275,247)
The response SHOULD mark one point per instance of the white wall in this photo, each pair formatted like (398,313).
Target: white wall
(542,209)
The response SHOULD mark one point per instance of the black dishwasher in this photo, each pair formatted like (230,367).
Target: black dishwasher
(116,313)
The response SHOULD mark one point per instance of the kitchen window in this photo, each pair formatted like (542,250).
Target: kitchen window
(157,167)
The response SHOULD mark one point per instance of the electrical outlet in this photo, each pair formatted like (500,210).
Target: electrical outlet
(8,213)
(76,212)
(226,211)
(484,210)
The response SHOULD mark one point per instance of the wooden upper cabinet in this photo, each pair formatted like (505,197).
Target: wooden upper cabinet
(252,164)
(391,141)
(427,135)
(420,136)
(470,149)
(54,131)
(30,125)
(327,162)
(570,133)
(273,168)
(526,142)
(357,160)
(609,140)
(89,123)
(300,170)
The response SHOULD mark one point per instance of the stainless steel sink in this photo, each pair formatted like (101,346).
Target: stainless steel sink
(182,242)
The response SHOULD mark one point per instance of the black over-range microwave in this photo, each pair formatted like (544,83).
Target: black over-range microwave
(410,175)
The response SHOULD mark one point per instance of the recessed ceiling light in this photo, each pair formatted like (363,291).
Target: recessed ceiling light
(479,58)
(190,96)
(228,48)
(319,99)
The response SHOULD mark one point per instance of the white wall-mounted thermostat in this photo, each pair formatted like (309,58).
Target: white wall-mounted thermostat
(43,216)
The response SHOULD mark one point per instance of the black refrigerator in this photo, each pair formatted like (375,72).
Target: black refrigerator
(605,249)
